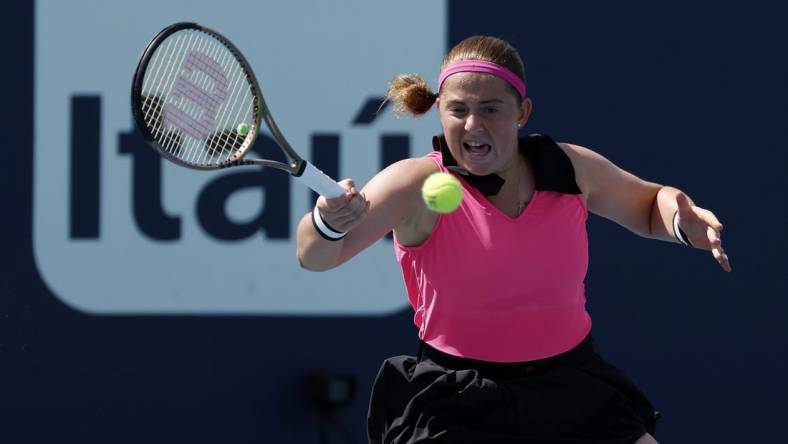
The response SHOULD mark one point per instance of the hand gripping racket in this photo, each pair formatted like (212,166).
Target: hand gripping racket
(197,102)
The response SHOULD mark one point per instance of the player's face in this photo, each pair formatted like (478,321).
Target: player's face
(480,115)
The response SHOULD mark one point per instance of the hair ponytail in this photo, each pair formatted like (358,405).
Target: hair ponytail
(410,94)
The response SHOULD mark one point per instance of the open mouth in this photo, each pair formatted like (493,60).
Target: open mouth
(476,149)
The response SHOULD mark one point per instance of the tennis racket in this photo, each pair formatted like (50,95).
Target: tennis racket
(197,102)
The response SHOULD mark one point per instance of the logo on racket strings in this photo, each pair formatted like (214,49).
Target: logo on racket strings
(196,96)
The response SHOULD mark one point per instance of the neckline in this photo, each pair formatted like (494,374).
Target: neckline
(485,202)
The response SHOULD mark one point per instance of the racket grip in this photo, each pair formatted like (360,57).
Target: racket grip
(319,182)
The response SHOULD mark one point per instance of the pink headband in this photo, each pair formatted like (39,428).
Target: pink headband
(484,67)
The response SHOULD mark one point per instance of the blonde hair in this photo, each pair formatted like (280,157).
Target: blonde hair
(411,94)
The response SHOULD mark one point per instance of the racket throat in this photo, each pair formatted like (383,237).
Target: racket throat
(298,168)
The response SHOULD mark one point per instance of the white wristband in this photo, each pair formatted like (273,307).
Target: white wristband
(323,229)
(677,231)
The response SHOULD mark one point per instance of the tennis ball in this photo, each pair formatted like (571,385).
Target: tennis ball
(442,192)
(243,129)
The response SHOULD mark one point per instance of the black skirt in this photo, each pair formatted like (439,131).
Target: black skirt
(575,397)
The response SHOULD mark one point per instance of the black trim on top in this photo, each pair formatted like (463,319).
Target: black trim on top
(552,167)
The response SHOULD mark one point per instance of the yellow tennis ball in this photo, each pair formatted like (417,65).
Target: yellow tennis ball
(442,192)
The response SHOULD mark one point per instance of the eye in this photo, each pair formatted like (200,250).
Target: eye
(491,110)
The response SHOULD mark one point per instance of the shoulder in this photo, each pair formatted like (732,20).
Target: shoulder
(596,175)
(580,156)
(416,165)
(586,161)
(405,174)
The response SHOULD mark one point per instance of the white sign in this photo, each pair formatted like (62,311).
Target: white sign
(102,248)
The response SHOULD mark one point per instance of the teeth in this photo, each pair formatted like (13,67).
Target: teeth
(476,148)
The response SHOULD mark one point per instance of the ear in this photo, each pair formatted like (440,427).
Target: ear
(526,106)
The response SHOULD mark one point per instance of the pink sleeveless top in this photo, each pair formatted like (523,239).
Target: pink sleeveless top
(490,287)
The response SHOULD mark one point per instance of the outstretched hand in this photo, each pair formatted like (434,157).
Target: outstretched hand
(703,229)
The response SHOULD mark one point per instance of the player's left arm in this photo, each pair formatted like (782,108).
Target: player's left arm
(645,208)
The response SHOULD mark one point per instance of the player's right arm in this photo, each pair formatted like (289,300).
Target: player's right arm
(390,201)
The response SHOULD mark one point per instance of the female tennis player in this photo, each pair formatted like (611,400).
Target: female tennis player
(506,353)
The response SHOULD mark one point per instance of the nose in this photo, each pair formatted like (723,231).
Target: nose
(473,122)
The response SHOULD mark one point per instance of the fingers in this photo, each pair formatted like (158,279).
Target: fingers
(704,220)
(709,217)
(722,258)
(353,214)
(346,211)
(326,205)
(714,237)
(716,249)
(697,223)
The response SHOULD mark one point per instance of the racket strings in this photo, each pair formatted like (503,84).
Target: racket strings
(204,156)
(180,49)
(194,152)
(229,142)
(195,95)
(163,79)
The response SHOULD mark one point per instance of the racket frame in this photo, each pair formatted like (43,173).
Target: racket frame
(297,166)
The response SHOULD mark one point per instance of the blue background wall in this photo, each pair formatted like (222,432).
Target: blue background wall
(688,95)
